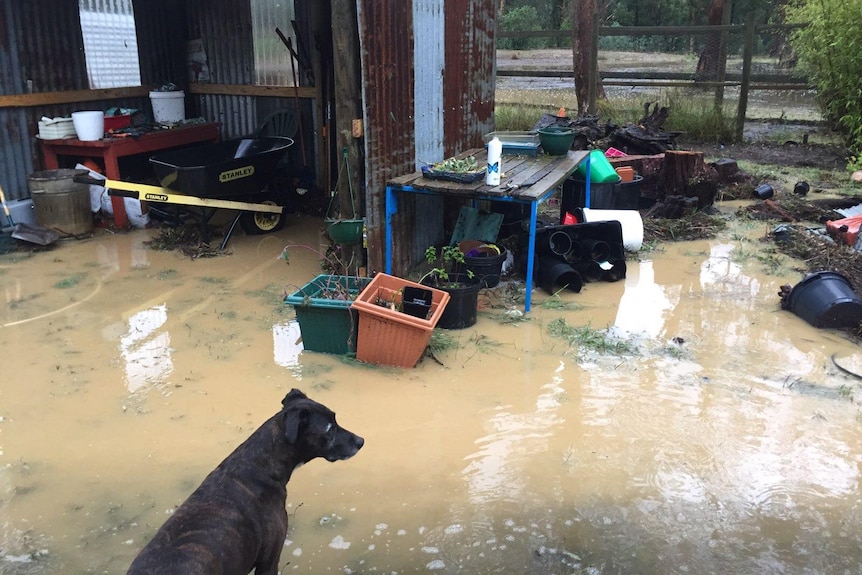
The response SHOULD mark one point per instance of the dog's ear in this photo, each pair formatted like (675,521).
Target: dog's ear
(293,395)
(295,422)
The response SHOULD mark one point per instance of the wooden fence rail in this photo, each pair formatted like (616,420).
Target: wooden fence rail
(745,80)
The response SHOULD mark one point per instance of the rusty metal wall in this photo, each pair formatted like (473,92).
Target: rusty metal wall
(400,43)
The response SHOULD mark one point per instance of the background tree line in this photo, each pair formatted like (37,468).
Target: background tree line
(826,48)
(523,15)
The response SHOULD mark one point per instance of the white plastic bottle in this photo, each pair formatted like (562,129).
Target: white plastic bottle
(495,162)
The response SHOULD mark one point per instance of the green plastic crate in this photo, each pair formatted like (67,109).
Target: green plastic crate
(327,324)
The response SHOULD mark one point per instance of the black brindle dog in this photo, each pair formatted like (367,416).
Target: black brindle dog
(236,520)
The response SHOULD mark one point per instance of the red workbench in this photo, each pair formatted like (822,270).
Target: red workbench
(111,149)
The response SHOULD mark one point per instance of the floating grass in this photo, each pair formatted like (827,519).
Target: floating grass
(697,226)
(587,338)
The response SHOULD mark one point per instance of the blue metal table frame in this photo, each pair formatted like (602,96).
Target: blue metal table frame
(528,180)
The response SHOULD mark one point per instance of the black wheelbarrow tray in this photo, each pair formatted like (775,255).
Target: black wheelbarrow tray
(233,174)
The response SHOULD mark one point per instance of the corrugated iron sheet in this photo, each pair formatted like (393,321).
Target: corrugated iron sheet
(427,74)
(41,50)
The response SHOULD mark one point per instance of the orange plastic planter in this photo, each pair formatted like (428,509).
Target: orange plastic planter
(388,336)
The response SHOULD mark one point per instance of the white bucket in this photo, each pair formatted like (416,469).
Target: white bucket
(89,126)
(168,107)
(630,220)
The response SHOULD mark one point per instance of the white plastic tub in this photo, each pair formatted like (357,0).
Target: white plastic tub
(89,125)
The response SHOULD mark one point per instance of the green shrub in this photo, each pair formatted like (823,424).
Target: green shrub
(522,19)
(828,49)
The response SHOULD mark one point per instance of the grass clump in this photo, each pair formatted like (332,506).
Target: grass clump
(587,338)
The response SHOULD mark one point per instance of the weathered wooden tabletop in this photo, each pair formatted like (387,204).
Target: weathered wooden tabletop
(525,178)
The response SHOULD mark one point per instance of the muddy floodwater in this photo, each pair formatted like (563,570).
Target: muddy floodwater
(711,433)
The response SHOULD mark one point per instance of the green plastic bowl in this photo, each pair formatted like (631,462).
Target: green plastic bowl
(556,140)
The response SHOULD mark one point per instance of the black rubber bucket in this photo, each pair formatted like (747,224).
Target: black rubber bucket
(826,299)
(555,275)
(486,268)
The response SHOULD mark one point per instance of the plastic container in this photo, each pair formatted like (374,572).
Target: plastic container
(486,268)
(581,236)
(826,299)
(556,140)
(118,122)
(609,196)
(764,192)
(631,221)
(322,307)
(495,163)
(168,107)
(463,303)
(556,275)
(627,173)
(601,170)
(60,203)
(388,336)
(416,301)
(523,143)
(56,128)
(89,125)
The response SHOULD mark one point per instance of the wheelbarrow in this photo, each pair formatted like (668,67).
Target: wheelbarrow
(233,174)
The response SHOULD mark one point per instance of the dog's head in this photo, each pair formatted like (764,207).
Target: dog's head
(311,429)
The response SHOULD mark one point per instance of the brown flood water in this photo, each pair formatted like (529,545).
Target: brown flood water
(129,374)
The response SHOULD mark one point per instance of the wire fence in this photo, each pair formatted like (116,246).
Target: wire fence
(748,71)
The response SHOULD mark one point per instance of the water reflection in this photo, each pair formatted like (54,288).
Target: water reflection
(493,472)
(287,345)
(145,350)
(644,304)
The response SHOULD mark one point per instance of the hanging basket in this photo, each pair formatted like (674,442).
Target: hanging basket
(345,231)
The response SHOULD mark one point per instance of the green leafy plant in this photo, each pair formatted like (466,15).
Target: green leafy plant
(828,48)
(447,261)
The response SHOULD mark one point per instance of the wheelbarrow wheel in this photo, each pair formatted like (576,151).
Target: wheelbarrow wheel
(257,223)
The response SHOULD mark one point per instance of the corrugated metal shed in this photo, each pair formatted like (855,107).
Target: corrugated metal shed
(428,92)
(427,83)
(41,52)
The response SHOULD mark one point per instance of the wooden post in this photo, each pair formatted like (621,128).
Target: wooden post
(747,54)
(348,108)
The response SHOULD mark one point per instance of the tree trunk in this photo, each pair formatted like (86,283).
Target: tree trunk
(680,167)
(707,64)
(582,36)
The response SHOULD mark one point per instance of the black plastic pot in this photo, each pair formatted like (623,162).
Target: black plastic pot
(463,303)
(416,301)
(486,268)
(556,274)
(826,299)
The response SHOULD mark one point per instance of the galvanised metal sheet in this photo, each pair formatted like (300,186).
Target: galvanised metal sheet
(428,87)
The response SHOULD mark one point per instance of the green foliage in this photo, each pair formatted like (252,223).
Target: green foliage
(828,49)
(521,19)
(445,262)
